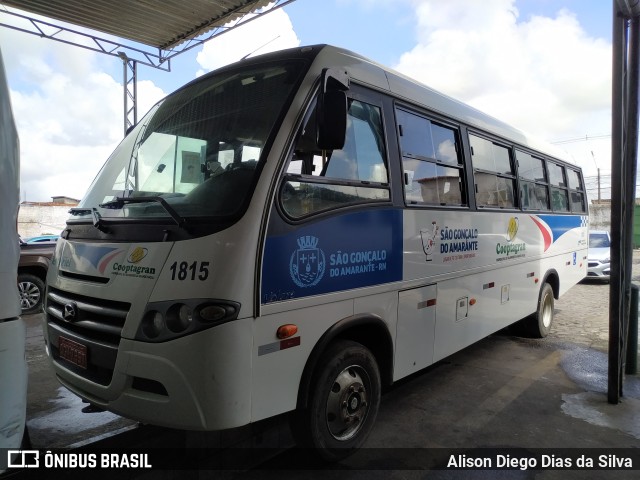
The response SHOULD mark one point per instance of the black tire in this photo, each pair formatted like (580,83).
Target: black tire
(31,289)
(343,403)
(539,324)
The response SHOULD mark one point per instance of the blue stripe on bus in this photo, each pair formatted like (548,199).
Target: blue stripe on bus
(349,251)
(561,224)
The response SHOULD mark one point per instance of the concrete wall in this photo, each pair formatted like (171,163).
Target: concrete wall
(600,216)
(42,219)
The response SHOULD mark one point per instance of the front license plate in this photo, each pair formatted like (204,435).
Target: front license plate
(73,352)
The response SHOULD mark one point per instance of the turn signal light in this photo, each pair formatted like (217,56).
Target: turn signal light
(472,301)
(212,313)
(286,331)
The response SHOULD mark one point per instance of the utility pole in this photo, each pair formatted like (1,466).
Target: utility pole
(599,198)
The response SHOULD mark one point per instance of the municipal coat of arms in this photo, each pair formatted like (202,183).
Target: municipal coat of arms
(307,263)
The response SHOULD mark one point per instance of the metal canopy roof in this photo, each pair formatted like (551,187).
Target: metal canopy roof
(162,24)
(149,32)
(161,29)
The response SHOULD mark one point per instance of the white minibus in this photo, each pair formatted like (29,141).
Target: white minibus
(295,231)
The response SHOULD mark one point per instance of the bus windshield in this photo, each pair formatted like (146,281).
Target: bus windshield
(198,149)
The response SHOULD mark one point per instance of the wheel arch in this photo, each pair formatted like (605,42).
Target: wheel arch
(370,330)
(553,279)
(37,270)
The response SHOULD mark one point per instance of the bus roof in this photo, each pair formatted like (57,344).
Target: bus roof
(364,70)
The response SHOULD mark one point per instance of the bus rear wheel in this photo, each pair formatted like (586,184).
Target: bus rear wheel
(538,325)
(344,400)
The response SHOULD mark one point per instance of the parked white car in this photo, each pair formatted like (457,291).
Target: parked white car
(599,257)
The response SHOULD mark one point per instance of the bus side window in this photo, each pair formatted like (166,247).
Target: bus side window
(576,191)
(494,176)
(321,180)
(362,157)
(431,162)
(559,198)
(533,182)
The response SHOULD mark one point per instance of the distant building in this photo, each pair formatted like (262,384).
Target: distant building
(44,218)
(66,200)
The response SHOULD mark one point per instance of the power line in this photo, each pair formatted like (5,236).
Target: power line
(581,139)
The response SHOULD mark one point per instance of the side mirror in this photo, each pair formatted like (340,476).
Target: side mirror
(332,108)
(332,120)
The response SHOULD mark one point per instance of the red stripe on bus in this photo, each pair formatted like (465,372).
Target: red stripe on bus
(289,342)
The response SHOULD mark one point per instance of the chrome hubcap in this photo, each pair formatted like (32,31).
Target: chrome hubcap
(348,403)
(547,310)
(29,295)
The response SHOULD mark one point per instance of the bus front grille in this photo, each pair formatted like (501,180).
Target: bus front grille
(92,323)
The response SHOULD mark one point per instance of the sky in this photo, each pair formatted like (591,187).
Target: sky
(543,66)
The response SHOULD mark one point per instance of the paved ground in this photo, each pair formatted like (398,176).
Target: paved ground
(582,314)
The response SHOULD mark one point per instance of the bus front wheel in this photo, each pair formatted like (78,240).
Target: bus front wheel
(344,400)
(538,325)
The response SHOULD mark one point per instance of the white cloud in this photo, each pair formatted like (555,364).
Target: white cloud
(69,113)
(543,75)
(268,33)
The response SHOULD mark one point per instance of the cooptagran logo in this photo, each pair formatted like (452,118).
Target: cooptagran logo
(511,249)
(137,255)
(512,229)
(307,263)
(133,269)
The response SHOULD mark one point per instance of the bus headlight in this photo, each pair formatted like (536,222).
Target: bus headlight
(152,324)
(179,317)
(164,321)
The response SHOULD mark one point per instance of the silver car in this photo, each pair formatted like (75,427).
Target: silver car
(599,254)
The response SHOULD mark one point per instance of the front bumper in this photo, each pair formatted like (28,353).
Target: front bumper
(198,382)
(598,269)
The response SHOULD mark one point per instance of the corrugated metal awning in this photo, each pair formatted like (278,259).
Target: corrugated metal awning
(158,23)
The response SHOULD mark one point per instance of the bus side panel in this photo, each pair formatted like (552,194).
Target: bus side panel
(275,394)
(415,330)
(488,267)
(439,243)
(475,306)
(278,364)
(566,247)
(342,252)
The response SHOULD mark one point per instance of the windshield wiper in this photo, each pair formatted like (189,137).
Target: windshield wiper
(80,211)
(120,202)
(97,219)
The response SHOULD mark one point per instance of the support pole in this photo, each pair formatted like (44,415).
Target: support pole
(624,151)
(130,87)
(631,367)
(631,169)
(617,148)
